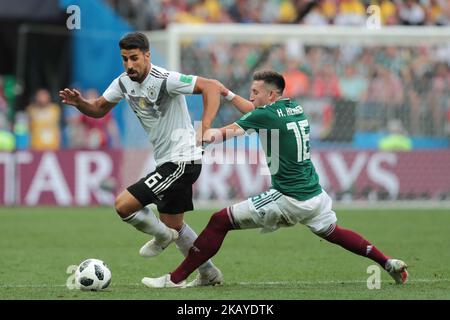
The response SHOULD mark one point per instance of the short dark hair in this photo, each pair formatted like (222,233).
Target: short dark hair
(272,78)
(134,40)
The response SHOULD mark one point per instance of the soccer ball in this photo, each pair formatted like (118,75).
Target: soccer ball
(93,275)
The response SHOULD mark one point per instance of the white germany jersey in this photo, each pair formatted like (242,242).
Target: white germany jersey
(160,105)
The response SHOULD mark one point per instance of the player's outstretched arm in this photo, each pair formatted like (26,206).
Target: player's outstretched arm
(242,104)
(211,101)
(217,135)
(93,108)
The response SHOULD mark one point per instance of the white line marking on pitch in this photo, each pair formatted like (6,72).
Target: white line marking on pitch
(331,282)
(268,283)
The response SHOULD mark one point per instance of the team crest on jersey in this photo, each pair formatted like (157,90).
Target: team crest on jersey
(152,93)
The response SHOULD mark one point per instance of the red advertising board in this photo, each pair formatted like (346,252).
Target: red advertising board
(59,178)
(94,177)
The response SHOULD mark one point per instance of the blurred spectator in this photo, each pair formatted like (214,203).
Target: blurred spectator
(158,14)
(44,118)
(74,137)
(391,58)
(413,101)
(350,12)
(397,139)
(21,131)
(317,16)
(326,83)
(447,123)
(392,94)
(287,12)
(238,10)
(388,12)
(353,86)
(297,82)
(210,11)
(438,12)
(99,133)
(7,139)
(439,97)
(3,102)
(411,12)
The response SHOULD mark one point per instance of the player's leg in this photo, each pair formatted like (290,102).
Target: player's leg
(323,223)
(240,216)
(205,246)
(155,246)
(142,218)
(177,200)
(132,205)
(209,274)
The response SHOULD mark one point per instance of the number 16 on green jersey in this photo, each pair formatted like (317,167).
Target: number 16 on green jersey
(301,131)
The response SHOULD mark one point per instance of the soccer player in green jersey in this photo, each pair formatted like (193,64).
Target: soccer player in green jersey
(295,196)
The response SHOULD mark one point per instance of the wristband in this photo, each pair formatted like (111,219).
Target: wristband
(230,95)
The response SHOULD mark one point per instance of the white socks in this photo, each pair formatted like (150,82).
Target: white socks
(186,238)
(145,220)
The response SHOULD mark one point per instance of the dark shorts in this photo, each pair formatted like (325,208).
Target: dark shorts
(169,187)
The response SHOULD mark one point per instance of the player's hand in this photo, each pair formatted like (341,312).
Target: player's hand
(212,136)
(71,96)
(199,135)
(222,88)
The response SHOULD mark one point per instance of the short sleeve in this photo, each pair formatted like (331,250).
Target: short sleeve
(256,119)
(178,83)
(113,93)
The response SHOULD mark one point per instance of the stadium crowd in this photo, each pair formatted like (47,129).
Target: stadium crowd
(47,125)
(414,81)
(370,85)
(345,89)
(157,14)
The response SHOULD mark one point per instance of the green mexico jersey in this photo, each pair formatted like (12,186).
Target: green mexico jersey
(284,132)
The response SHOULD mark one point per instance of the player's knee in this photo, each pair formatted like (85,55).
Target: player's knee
(177,225)
(173,221)
(220,221)
(122,207)
(126,204)
(326,232)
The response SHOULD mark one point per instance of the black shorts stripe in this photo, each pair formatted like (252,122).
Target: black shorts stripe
(262,204)
(161,183)
(256,202)
(170,179)
(272,197)
(277,196)
(169,187)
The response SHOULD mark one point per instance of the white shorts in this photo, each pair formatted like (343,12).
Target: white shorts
(271,210)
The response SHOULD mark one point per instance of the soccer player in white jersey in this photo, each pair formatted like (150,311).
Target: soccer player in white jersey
(295,196)
(157,98)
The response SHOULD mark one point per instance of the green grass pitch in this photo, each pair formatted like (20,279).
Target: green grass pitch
(38,244)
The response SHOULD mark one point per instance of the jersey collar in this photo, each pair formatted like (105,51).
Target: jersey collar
(267,105)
